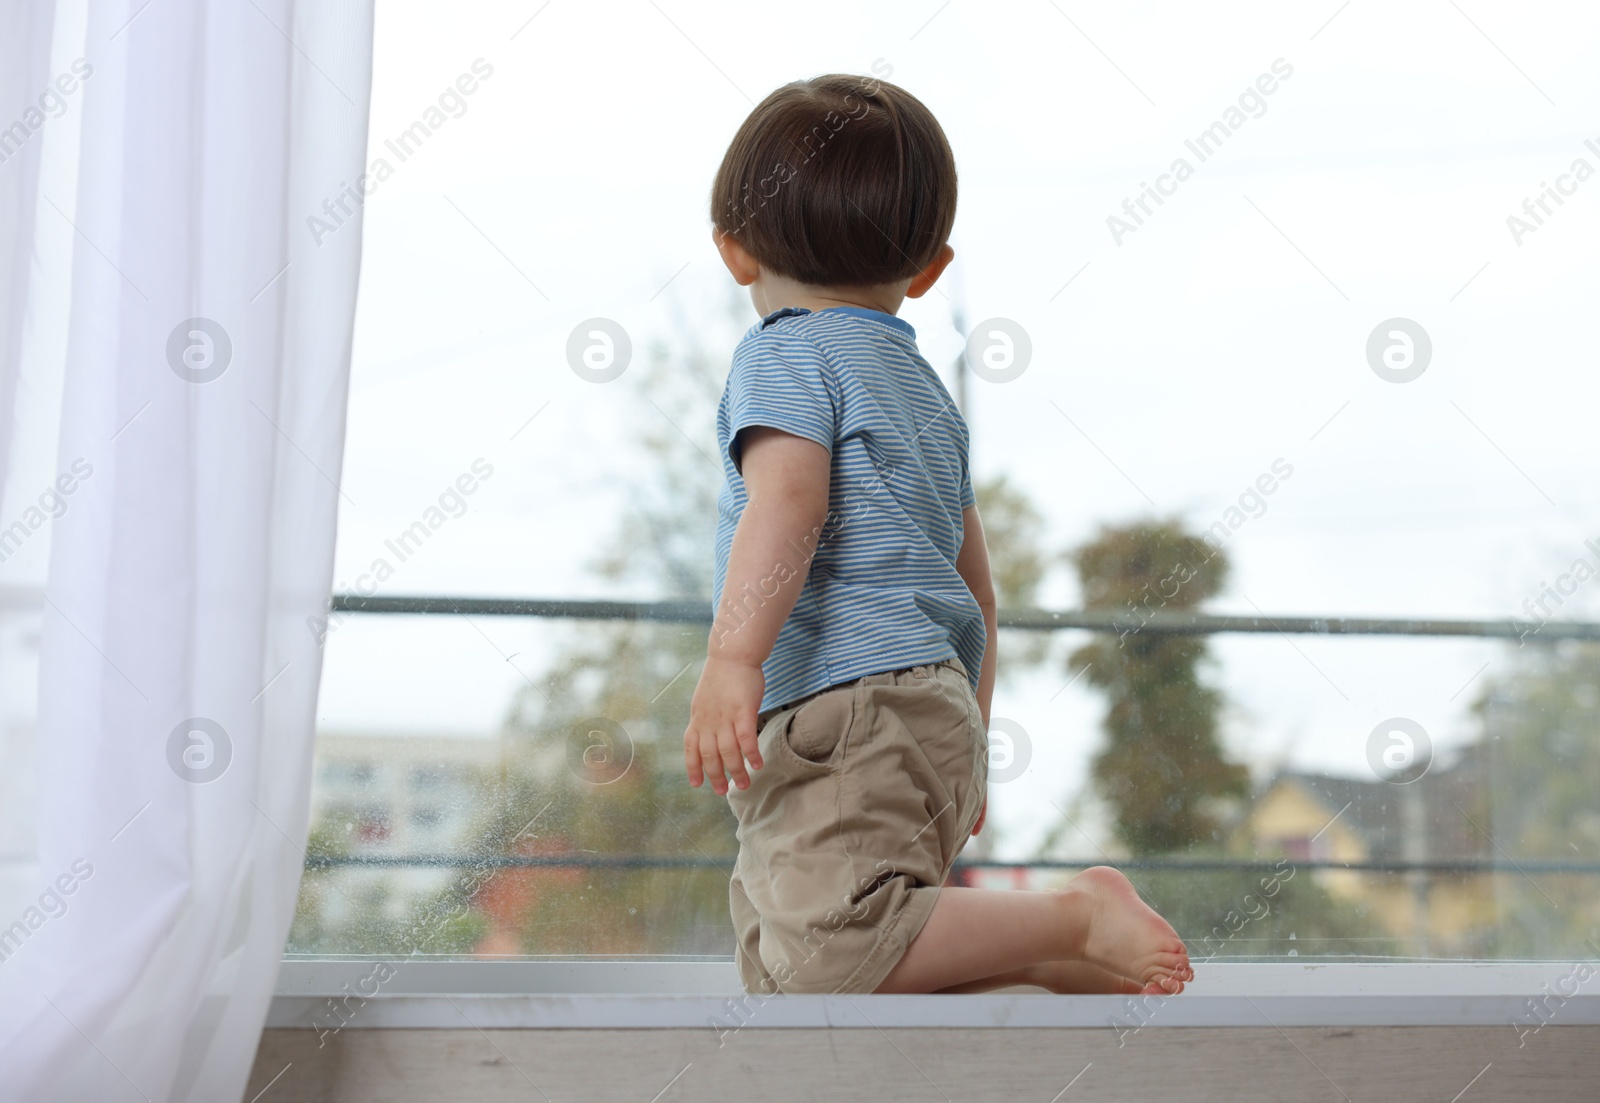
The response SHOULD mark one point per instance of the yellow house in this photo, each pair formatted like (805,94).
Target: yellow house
(1320,818)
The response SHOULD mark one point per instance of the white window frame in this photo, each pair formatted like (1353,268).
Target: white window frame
(328,995)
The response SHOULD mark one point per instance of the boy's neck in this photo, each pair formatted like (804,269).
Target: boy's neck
(772,292)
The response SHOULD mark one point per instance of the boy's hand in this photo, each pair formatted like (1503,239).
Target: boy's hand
(722,724)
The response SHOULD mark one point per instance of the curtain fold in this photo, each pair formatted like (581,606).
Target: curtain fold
(202,430)
(24,71)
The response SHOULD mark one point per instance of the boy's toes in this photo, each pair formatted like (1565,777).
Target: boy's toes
(1173,965)
(1163,986)
(1167,975)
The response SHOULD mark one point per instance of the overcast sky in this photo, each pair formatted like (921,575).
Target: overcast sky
(1172,364)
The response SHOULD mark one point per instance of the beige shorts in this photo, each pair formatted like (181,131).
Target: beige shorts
(867,794)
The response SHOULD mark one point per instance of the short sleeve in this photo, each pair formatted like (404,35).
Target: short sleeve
(782,381)
(968,498)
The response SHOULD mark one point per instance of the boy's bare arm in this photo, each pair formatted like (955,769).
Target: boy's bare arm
(786,481)
(972,563)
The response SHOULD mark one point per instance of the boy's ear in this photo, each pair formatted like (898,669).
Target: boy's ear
(741,265)
(923,280)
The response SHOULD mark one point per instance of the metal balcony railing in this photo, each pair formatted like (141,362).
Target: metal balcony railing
(1034,620)
(1152,621)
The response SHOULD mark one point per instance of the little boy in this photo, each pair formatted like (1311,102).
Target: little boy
(852,654)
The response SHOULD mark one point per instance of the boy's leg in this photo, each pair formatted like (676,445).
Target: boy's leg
(984,935)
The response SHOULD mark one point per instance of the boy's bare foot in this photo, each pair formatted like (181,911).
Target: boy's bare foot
(1125,935)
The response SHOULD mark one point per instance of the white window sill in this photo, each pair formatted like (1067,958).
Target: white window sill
(613,995)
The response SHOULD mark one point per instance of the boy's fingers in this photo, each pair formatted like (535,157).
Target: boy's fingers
(733,758)
(749,742)
(691,758)
(711,759)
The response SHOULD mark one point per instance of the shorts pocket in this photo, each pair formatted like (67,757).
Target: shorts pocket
(816,731)
(958,691)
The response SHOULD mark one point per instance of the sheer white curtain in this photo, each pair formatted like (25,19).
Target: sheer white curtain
(181,454)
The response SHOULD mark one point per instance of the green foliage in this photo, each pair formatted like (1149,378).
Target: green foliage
(1013,528)
(612,795)
(1249,914)
(633,799)
(1162,769)
(1541,775)
(326,840)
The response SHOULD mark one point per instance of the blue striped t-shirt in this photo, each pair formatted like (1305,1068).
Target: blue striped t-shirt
(882,591)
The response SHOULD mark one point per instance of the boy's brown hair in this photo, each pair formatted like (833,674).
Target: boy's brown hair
(838,181)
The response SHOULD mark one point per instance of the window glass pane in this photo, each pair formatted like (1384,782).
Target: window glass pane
(1333,367)
(566,827)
